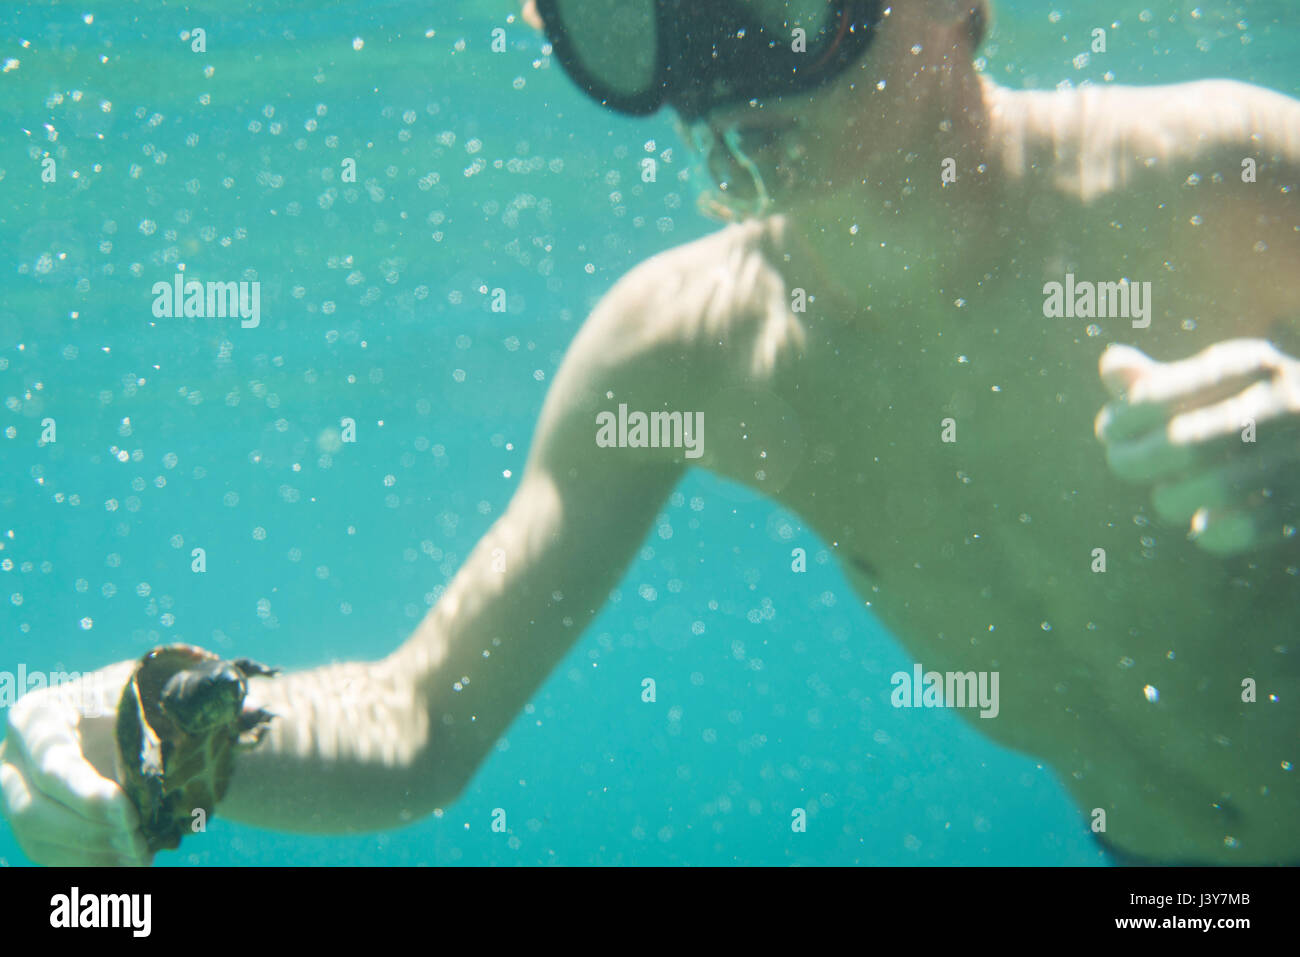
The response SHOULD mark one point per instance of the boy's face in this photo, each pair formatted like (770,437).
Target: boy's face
(814,148)
(799,149)
(817,150)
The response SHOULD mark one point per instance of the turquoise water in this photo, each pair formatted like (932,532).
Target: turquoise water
(475,169)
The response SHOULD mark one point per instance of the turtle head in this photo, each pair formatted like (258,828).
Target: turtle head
(201,698)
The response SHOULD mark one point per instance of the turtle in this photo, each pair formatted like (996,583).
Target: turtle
(180,720)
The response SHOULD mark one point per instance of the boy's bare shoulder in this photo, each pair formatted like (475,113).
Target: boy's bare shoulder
(1205,119)
(1103,139)
(684,327)
(716,299)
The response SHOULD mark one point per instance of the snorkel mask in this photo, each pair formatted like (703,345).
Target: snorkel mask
(635,56)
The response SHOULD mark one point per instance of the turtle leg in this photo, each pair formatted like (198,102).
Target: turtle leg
(248,720)
(254,669)
(251,739)
(253,726)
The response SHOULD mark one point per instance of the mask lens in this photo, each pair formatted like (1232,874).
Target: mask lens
(613,41)
(781,17)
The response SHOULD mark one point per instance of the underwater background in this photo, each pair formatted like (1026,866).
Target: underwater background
(475,170)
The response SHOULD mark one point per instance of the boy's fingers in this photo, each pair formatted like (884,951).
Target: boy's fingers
(1218,371)
(1242,483)
(1120,420)
(46,747)
(52,854)
(1150,458)
(54,833)
(1121,366)
(1233,531)
(1148,392)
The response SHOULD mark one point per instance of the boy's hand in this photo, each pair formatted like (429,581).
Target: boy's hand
(57,775)
(1217,435)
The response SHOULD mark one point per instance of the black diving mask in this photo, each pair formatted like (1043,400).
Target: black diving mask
(635,56)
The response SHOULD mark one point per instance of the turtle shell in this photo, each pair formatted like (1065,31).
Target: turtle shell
(180,720)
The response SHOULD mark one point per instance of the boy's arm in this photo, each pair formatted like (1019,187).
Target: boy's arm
(370,745)
(360,746)
(1221,161)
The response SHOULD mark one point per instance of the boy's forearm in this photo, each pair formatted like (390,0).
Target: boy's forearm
(347,751)
(369,745)
(366,746)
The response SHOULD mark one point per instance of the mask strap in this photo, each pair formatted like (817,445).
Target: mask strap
(835,44)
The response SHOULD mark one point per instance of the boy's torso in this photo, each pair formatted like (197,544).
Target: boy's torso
(979,553)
